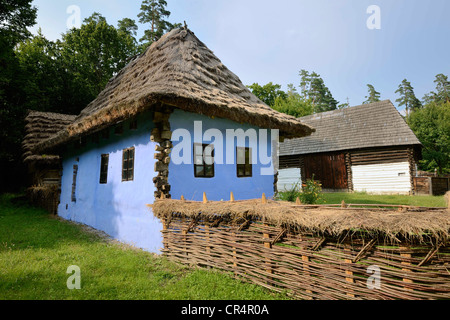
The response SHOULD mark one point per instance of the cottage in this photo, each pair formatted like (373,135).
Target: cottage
(364,148)
(174,122)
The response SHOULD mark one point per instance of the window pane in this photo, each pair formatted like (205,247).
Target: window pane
(131,156)
(125,155)
(209,171)
(199,171)
(198,150)
(240,170)
(240,156)
(248,156)
(130,175)
(248,170)
(198,160)
(209,160)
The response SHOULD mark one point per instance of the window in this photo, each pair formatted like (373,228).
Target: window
(104,169)
(244,163)
(128,165)
(74,183)
(133,124)
(118,130)
(203,160)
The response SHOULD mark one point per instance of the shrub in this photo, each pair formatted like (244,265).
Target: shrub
(311,193)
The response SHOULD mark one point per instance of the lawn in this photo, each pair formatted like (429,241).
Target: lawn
(36,250)
(364,198)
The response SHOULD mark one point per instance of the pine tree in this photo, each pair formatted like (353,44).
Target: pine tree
(154,12)
(407,97)
(373,96)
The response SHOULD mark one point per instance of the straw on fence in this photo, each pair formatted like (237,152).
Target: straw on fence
(390,224)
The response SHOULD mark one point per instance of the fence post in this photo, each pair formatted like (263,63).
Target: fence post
(348,273)
(267,242)
(406,255)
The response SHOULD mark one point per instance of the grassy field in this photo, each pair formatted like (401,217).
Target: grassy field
(364,198)
(36,250)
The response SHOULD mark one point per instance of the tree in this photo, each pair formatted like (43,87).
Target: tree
(94,53)
(43,75)
(294,104)
(268,93)
(314,89)
(154,12)
(442,88)
(127,26)
(431,124)
(407,97)
(15,17)
(373,96)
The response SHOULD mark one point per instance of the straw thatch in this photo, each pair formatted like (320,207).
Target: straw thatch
(178,70)
(40,126)
(333,222)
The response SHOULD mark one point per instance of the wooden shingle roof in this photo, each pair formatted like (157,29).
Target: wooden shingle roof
(377,124)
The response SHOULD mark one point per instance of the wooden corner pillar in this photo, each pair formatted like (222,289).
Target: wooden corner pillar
(162,135)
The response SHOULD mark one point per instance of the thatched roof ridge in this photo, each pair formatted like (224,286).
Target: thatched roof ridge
(178,70)
(372,125)
(332,222)
(40,126)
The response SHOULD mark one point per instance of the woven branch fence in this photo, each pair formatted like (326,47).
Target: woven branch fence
(314,260)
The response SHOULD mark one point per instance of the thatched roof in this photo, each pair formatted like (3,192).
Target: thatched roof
(388,224)
(40,126)
(178,70)
(372,125)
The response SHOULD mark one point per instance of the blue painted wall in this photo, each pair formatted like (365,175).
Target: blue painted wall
(117,208)
(183,181)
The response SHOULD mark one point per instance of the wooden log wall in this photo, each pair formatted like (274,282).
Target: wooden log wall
(162,134)
(348,165)
(306,265)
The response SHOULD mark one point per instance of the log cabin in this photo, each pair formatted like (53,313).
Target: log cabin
(367,148)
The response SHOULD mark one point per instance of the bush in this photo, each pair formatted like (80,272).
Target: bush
(311,193)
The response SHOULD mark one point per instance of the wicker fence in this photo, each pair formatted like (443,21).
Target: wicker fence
(356,264)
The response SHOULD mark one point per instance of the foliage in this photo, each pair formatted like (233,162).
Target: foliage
(154,12)
(407,97)
(95,52)
(373,95)
(15,17)
(314,89)
(310,193)
(431,124)
(268,93)
(294,104)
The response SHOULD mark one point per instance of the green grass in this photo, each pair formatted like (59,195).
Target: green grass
(36,250)
(364,198)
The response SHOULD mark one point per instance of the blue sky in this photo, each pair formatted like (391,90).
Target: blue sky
(271,41)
